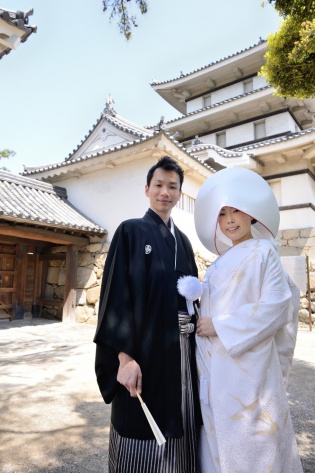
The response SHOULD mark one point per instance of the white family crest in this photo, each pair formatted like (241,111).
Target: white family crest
(147,249)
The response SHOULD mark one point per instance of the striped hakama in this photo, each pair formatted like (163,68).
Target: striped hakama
(177,455)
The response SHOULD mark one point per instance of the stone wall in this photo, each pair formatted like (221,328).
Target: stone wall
(297,243)
(91,260)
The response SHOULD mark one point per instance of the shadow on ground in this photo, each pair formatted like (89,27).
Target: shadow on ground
(53,419)
(52,416)
(302,406)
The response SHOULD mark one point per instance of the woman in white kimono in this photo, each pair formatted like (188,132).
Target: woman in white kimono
(247,331)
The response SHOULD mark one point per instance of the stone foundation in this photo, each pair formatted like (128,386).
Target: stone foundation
(301,242)
(91,260)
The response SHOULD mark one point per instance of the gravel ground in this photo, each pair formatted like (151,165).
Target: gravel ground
(53,419)
(302,396)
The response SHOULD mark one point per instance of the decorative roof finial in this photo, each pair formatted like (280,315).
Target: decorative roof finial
(109,108)
(160,126)
(196,141)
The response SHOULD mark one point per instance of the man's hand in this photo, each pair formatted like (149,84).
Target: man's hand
(205,327)
(129,374)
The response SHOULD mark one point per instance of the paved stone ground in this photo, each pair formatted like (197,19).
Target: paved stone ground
(302,396)
(53,419)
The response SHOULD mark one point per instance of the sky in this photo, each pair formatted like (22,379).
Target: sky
(55,85)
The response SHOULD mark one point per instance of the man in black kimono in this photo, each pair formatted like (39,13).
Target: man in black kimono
(141,344)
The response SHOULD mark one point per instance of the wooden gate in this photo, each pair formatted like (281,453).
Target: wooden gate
(8,279)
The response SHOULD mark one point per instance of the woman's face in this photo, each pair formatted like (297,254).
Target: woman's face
(235,224)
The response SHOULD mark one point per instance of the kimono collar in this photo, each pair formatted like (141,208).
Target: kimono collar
(172,242)
(172,229)
(172,226)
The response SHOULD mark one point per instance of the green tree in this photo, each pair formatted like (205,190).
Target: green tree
(295,8)
(6,153)
(123,13)
(290,59)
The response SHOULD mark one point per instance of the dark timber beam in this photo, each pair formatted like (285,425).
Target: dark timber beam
(44,235)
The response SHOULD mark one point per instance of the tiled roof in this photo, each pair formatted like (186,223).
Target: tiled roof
(273,141)
(218,104)
(18,19)
(110,116)
(128,144)
(31,201)
(224,153)
(221,151)
(205,67)
(124,125)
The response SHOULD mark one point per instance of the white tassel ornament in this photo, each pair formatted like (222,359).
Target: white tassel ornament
(191,288)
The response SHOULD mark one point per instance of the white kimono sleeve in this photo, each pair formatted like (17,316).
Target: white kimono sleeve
(262,311)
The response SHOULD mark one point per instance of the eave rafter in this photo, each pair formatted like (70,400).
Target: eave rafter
(33,233)
(309,153)
(181,94)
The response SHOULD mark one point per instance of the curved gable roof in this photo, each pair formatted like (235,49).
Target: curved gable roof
(128,131)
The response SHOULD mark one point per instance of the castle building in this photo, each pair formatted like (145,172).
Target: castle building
(229,116)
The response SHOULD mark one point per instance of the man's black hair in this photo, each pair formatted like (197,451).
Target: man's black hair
(168,164)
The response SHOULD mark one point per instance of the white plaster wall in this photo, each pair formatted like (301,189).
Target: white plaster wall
(280,124)
(209,139)
(235,135)
(227,92)
(195,104)
(277,190)
(112,195)
(191,186)
(242,133)
(186,223)
(298,189)
(297,219)
(239,134)
(224,94)
(258,82)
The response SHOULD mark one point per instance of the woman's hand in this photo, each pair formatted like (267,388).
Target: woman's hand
(129,374)
(205,327)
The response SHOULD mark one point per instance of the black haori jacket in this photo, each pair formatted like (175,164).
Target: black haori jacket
(138,315)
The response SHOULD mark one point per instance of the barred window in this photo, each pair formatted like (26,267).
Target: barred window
(221,139)
(248,86)
(260,130)
(186,203)
(207,100)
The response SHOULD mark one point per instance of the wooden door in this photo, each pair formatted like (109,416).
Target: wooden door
(27,276)
(8,280)
(29,297)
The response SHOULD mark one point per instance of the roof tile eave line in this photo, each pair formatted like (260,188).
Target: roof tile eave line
(117,122)
(31,204)
(157,83)
(126,144)
(273,141)
(217,104)
(126,125)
